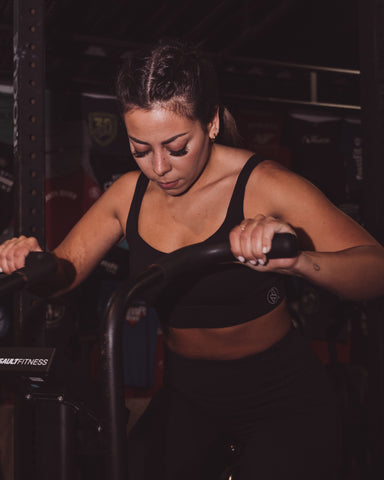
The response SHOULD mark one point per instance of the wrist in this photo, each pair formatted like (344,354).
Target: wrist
(301,265)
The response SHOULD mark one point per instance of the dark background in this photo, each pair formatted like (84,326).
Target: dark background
(81,33)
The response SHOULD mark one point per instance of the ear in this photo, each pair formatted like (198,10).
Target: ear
(214,126)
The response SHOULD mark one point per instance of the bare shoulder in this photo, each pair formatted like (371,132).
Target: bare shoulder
(116,201)
(125,185)
(274,190)
(99,228)
(110,210)
(274,184)
(270,170)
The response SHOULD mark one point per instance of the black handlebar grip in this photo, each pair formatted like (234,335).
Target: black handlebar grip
(284,245)
(38,267)
(194,257)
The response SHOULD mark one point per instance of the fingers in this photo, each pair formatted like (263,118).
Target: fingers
(14,251)
(252,239)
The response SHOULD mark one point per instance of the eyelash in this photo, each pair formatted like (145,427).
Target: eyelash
(175,153)
(179,153)
(138,154)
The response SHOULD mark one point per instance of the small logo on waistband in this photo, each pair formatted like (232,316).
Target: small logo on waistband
(273,296)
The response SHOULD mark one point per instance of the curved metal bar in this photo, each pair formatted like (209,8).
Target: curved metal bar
(149,286)
(112,375)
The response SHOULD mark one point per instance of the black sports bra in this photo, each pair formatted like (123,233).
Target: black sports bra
(218,296)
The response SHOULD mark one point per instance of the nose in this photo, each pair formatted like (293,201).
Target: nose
(161,164)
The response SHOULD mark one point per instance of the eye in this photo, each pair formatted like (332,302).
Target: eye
(179,153)
(139,154)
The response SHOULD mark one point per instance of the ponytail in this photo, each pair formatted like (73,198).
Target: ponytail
(229,134)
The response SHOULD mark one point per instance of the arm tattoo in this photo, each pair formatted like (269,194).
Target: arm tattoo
(316,267)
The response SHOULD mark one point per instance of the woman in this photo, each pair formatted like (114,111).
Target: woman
(235,367)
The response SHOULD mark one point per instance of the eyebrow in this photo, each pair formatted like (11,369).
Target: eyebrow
(170,140)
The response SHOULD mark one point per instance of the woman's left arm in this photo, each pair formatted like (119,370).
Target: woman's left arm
(337,253)
(355,273)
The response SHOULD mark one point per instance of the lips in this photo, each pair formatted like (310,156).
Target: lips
(168,185)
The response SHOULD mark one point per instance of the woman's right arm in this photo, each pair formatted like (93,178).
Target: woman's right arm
(102,226)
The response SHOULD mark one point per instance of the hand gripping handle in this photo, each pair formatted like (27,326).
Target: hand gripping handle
(38,267)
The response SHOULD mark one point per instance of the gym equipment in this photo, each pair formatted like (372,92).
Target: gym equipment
(52,396)
(147,288)
(35,367)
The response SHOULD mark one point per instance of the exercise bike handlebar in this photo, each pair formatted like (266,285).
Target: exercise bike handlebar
(193,257)
(153,280)
(38,267)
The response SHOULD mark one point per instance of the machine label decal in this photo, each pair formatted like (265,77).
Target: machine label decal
(25,361)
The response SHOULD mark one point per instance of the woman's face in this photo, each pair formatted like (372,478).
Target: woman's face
(171,150)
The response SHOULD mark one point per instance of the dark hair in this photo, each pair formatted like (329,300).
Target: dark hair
(177,76)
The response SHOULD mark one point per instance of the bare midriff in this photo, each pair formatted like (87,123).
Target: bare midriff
(231,342)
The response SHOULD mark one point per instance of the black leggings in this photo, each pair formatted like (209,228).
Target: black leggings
(276,405)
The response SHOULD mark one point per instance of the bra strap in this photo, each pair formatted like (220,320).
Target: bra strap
(133,216)
(236,204)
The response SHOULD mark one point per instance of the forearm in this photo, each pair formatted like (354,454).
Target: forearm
(356,273)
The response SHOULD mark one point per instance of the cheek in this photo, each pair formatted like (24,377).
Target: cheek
(201,155)
(143,164)
(188,163)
